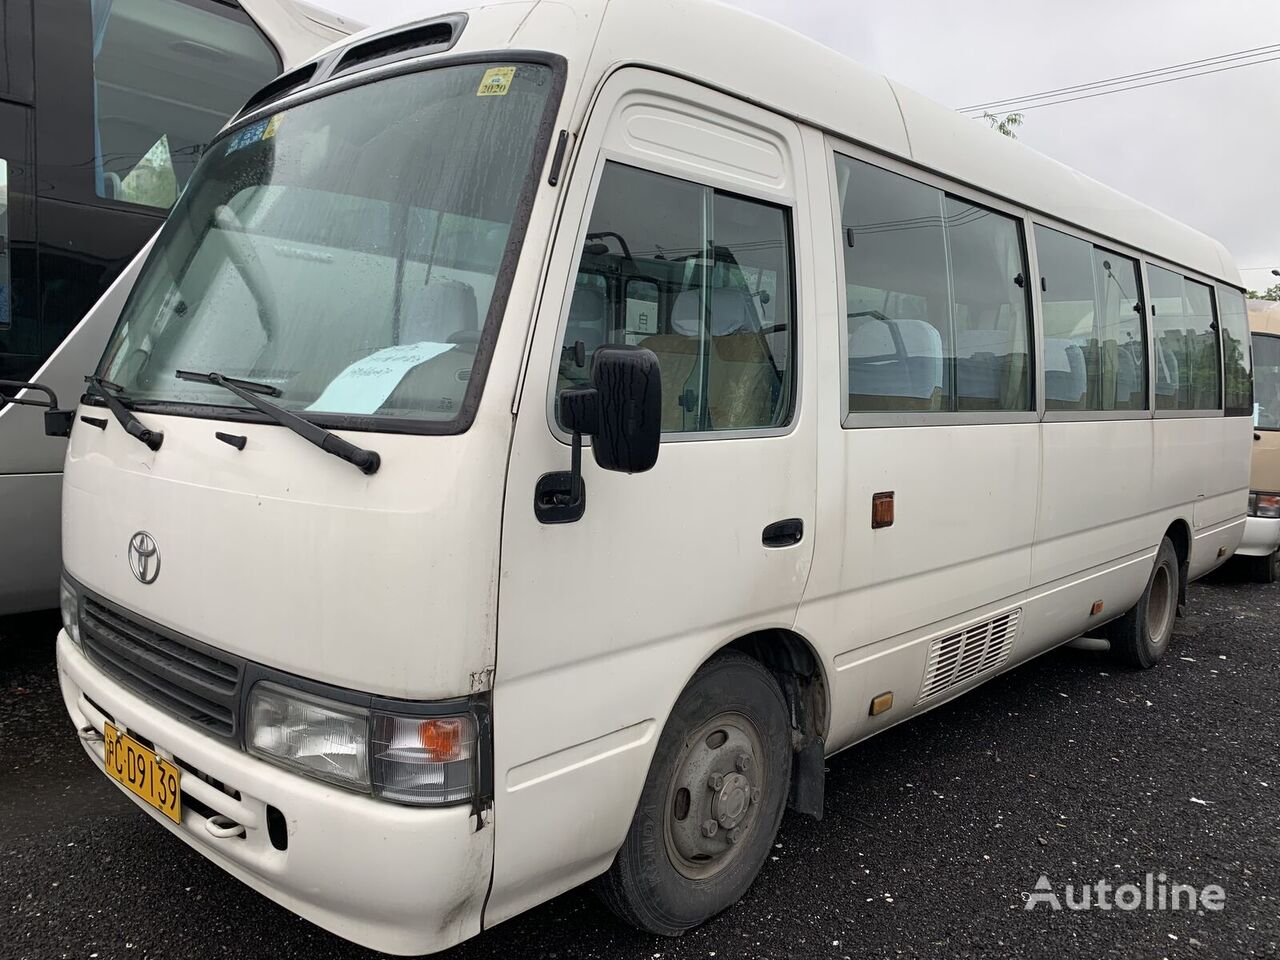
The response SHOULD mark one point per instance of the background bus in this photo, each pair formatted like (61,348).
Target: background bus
(1258,553)
(105,106)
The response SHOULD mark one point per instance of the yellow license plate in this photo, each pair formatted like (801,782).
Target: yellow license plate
(154,779)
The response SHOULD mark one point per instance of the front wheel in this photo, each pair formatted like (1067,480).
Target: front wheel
(711,804)
(1141,637)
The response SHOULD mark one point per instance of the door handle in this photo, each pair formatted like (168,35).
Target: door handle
(783,533)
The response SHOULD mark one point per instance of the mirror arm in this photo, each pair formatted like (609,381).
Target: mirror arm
(57,422)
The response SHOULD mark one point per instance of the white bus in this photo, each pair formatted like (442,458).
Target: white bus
(105,106)
(879,404)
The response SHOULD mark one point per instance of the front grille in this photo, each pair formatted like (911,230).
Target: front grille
(180,676)
(959,657)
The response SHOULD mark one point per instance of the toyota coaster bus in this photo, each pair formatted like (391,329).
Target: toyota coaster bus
(539,437)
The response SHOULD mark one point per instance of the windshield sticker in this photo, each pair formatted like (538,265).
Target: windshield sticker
(272,126)
(365,385)
(496,82)
(248,136)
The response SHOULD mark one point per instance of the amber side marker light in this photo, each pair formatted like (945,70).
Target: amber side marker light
(1096,608)
(881,704)
(881,510)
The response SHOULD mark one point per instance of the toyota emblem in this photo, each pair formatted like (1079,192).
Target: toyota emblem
(144,557)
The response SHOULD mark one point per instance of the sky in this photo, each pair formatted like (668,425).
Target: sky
(1206,150)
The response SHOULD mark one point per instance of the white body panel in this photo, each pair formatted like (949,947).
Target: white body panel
(433,579)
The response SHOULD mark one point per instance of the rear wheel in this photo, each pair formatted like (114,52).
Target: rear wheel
(712,802)
(1141,637)
(1262,569)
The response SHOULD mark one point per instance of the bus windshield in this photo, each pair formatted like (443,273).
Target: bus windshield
(347,252)
(1266,381)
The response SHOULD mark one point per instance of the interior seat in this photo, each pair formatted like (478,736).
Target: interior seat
(439,309)
(1066,379)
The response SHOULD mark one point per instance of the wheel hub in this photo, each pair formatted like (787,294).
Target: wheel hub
(714,795)
(731,801)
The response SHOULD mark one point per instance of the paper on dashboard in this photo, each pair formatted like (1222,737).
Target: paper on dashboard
(365,385)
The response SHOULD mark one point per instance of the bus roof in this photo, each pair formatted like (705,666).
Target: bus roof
(759,60)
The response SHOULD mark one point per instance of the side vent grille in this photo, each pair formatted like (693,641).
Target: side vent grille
(959,657)
(437,33)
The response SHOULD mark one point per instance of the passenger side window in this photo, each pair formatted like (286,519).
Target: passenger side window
(1237,363)
(1187,370)
(704,280)
(166,75)
(1095,355)
(1266,372)
(937,317)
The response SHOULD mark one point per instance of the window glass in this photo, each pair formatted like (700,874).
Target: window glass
(167,74)
(989,309)
(1236,363)
(1266,381)
(1094,341)
(937,301)
(344,250)
(701,278)
(6,293)
(895,273)
(1187,362)
(1119,352)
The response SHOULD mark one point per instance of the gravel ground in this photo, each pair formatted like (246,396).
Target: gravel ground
(1068,767)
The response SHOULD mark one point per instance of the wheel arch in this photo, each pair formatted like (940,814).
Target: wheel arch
(1179,534)
(799,670)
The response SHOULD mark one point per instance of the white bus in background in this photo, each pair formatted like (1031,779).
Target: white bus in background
(105,106)
(880,404)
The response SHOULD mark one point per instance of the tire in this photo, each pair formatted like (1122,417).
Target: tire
(1141,637)
(1262,569)
(669,876)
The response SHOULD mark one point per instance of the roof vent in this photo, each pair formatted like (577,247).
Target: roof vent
(277,88)
(438,34)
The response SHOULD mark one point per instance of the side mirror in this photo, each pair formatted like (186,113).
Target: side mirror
(57,422)
(622,411)
(628,425)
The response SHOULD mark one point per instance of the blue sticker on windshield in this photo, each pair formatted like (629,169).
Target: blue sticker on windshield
(248,136)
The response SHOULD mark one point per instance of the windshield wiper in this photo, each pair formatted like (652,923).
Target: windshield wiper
(132,425)
(367,461)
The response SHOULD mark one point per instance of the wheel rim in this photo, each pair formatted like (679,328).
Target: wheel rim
(713,801)
(1160,605)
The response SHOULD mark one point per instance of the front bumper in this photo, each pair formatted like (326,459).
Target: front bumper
(398,879)
(1261,537)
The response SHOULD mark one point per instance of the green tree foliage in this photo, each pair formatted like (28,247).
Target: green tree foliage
(1271,293)
(1006,124)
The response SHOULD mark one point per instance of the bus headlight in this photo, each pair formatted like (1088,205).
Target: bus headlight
(316,737)
(69,602)
(423,760)
(1264,505)
(420,760)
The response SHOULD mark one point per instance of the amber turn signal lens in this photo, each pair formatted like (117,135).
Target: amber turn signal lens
(442,739)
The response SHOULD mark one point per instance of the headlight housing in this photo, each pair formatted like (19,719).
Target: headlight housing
(69,602)
(1264,505)
(420,760)
(317,737)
